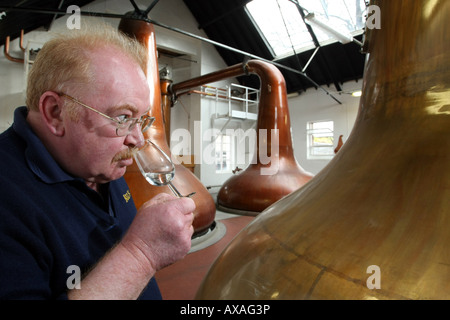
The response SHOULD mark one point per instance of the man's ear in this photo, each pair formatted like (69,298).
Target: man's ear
(50,106)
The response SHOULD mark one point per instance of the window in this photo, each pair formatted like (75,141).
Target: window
(223,153)
(283,28)
(320,140)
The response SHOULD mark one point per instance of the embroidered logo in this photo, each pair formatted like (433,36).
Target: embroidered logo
(127,196)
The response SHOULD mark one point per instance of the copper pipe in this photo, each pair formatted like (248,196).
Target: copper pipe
(230,72)
(21,41)
(374,223)
(7,55)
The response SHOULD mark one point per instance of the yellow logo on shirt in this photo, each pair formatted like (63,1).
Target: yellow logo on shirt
(127,196)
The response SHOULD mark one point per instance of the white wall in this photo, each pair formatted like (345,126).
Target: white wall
(315,105)
(191,111)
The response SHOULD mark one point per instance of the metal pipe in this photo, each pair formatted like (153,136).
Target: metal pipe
(7,55)
(136,8)
(229,72)
(310,59)
(150,7)
(21,41)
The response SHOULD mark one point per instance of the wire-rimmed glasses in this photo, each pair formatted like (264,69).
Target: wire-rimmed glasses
(124,126)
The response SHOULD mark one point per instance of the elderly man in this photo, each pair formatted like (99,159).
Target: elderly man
(62,194)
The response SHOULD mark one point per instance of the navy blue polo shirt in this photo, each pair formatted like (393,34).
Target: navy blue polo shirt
(51,222)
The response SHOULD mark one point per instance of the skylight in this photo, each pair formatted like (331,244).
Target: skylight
(283,28)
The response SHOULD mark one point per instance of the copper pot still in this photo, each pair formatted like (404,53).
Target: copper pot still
(274,172)
(374,224)
(185,181)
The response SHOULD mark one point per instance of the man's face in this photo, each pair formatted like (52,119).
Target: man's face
(98,154)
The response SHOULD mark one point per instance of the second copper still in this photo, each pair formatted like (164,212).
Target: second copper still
(274,171)
(184,180)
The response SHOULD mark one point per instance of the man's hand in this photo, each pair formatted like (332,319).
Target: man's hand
(161,230)
(159,235)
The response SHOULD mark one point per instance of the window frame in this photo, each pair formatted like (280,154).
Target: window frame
(311,147)
(323,38)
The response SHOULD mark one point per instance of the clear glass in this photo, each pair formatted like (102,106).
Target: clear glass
(157,167)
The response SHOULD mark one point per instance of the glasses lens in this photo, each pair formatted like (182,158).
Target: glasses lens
(127,126)
(124,128)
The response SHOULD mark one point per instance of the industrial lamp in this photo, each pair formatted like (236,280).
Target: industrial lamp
(311,19)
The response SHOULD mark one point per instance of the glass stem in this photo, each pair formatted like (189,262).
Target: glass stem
(177,193)
(174,190)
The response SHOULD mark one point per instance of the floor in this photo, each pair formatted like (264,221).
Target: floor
(181,280)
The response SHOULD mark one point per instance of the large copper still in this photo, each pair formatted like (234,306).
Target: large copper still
(274,172)
(184,180)
(374,224)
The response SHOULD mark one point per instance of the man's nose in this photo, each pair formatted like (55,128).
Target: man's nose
(136,137)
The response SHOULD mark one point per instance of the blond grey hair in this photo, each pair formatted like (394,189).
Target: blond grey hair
(64,59)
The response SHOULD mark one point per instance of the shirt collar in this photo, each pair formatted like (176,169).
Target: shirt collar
(37,156)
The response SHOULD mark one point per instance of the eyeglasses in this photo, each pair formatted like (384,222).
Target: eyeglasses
(124,126)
